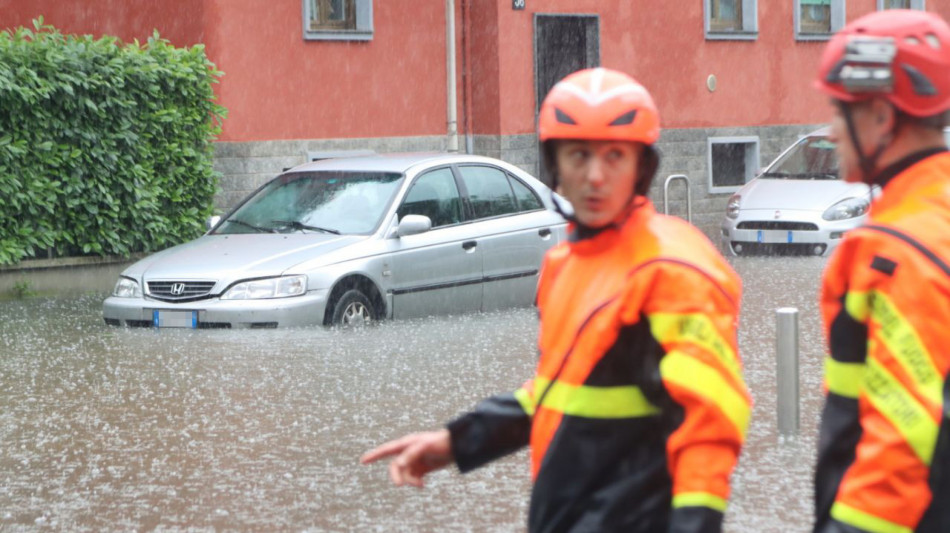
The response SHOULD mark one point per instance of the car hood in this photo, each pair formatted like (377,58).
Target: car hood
(238,256)
(805,195)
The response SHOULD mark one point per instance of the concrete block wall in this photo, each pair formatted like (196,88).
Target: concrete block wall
(247,165)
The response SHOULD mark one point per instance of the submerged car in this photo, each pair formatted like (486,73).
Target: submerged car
(350,240)
(797,205)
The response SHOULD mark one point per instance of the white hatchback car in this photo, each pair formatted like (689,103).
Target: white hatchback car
(797,205)
(344,241)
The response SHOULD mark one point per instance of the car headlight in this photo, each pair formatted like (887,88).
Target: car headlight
(848,208)
(732,208)
(282,287)
(127,288)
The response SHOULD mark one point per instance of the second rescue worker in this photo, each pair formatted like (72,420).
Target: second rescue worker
(638,409)
(884,449)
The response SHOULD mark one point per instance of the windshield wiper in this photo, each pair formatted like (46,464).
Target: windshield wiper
(240,222)
(296,225)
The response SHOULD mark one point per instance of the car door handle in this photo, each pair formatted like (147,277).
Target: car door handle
(468,245)
(545,232)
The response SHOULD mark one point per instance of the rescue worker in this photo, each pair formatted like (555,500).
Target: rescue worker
(638,410)
(884,446)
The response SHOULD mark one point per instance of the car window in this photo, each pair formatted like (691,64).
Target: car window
(811,158)
(489,192)
(321,202)
(435,195)
(527,199)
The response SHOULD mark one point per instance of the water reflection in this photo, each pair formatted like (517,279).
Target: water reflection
(114,429)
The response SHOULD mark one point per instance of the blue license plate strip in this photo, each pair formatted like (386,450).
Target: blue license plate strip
(162,318)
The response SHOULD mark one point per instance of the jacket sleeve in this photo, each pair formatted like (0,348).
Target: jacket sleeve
(694,318)
(498,426)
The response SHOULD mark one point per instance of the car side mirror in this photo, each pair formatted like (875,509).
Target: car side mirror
(212,222)
(413,224)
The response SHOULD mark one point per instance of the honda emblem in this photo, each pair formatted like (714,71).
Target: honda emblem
(778,215)
(177,289)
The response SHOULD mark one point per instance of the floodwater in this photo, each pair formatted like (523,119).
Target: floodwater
(108,429)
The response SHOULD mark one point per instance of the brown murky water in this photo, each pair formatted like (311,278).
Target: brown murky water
(105,429)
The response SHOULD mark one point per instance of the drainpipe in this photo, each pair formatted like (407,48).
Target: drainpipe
(453,144)
(467,75)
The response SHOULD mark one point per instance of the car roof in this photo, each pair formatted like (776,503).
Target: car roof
(389,162)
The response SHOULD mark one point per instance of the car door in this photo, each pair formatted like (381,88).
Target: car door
(438,271)
(516,230)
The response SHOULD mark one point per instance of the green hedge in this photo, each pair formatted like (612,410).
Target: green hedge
(105,147)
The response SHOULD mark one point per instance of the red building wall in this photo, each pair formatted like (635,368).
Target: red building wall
(762,82)
(276,84)
(279,86)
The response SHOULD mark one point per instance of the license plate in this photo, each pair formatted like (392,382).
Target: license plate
(174,319)
(774,236)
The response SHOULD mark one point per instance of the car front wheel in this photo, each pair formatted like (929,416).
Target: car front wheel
(353,309)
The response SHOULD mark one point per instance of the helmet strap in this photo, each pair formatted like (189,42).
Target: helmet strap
(867,162)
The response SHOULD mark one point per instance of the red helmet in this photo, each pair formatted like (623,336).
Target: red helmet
(902,55)
(599,104)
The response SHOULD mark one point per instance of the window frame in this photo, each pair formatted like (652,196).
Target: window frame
(362,32)
(837,14)
(919,5)
(751,169)
(750,23)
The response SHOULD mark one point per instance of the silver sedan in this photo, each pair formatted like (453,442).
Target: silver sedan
(352,240)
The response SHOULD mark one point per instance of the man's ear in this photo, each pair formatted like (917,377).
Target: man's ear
(884,114)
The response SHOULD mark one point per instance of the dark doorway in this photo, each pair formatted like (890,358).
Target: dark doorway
(562,44)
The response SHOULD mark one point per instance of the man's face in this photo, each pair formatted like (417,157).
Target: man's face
(597,177)
(867,127)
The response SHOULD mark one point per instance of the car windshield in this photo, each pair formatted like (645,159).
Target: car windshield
(340,203)
(813,158)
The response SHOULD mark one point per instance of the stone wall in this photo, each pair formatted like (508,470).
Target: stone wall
(247,165)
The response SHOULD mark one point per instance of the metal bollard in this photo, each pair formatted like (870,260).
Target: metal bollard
(786,370)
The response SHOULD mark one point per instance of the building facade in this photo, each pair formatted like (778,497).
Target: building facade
(308,79)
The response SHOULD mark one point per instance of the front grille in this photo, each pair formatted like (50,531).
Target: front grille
(785,249)
(179,291)
(778,225)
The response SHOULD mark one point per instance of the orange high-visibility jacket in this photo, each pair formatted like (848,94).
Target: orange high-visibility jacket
(884,448)
(638,410)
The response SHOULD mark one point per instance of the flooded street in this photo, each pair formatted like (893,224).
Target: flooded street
(106,429)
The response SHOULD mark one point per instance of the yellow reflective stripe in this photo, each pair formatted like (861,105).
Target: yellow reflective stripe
(865,521)
(524,398)
(595,402)
(843,379)
(703,380)
(902,409)
(699,499)
(901,339)
(698,329)
(856,305)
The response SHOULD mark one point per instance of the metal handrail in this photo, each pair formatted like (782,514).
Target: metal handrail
(666,193)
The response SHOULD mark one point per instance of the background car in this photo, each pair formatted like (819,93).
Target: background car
(797,205)
(349,240)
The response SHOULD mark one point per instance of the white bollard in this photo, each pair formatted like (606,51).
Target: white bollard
(786,370)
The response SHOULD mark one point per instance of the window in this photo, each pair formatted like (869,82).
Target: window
(343,20)
(489,191)
(527,199)
(818,19)
(435,195)
(732,162)
(900,4)
(731,19)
